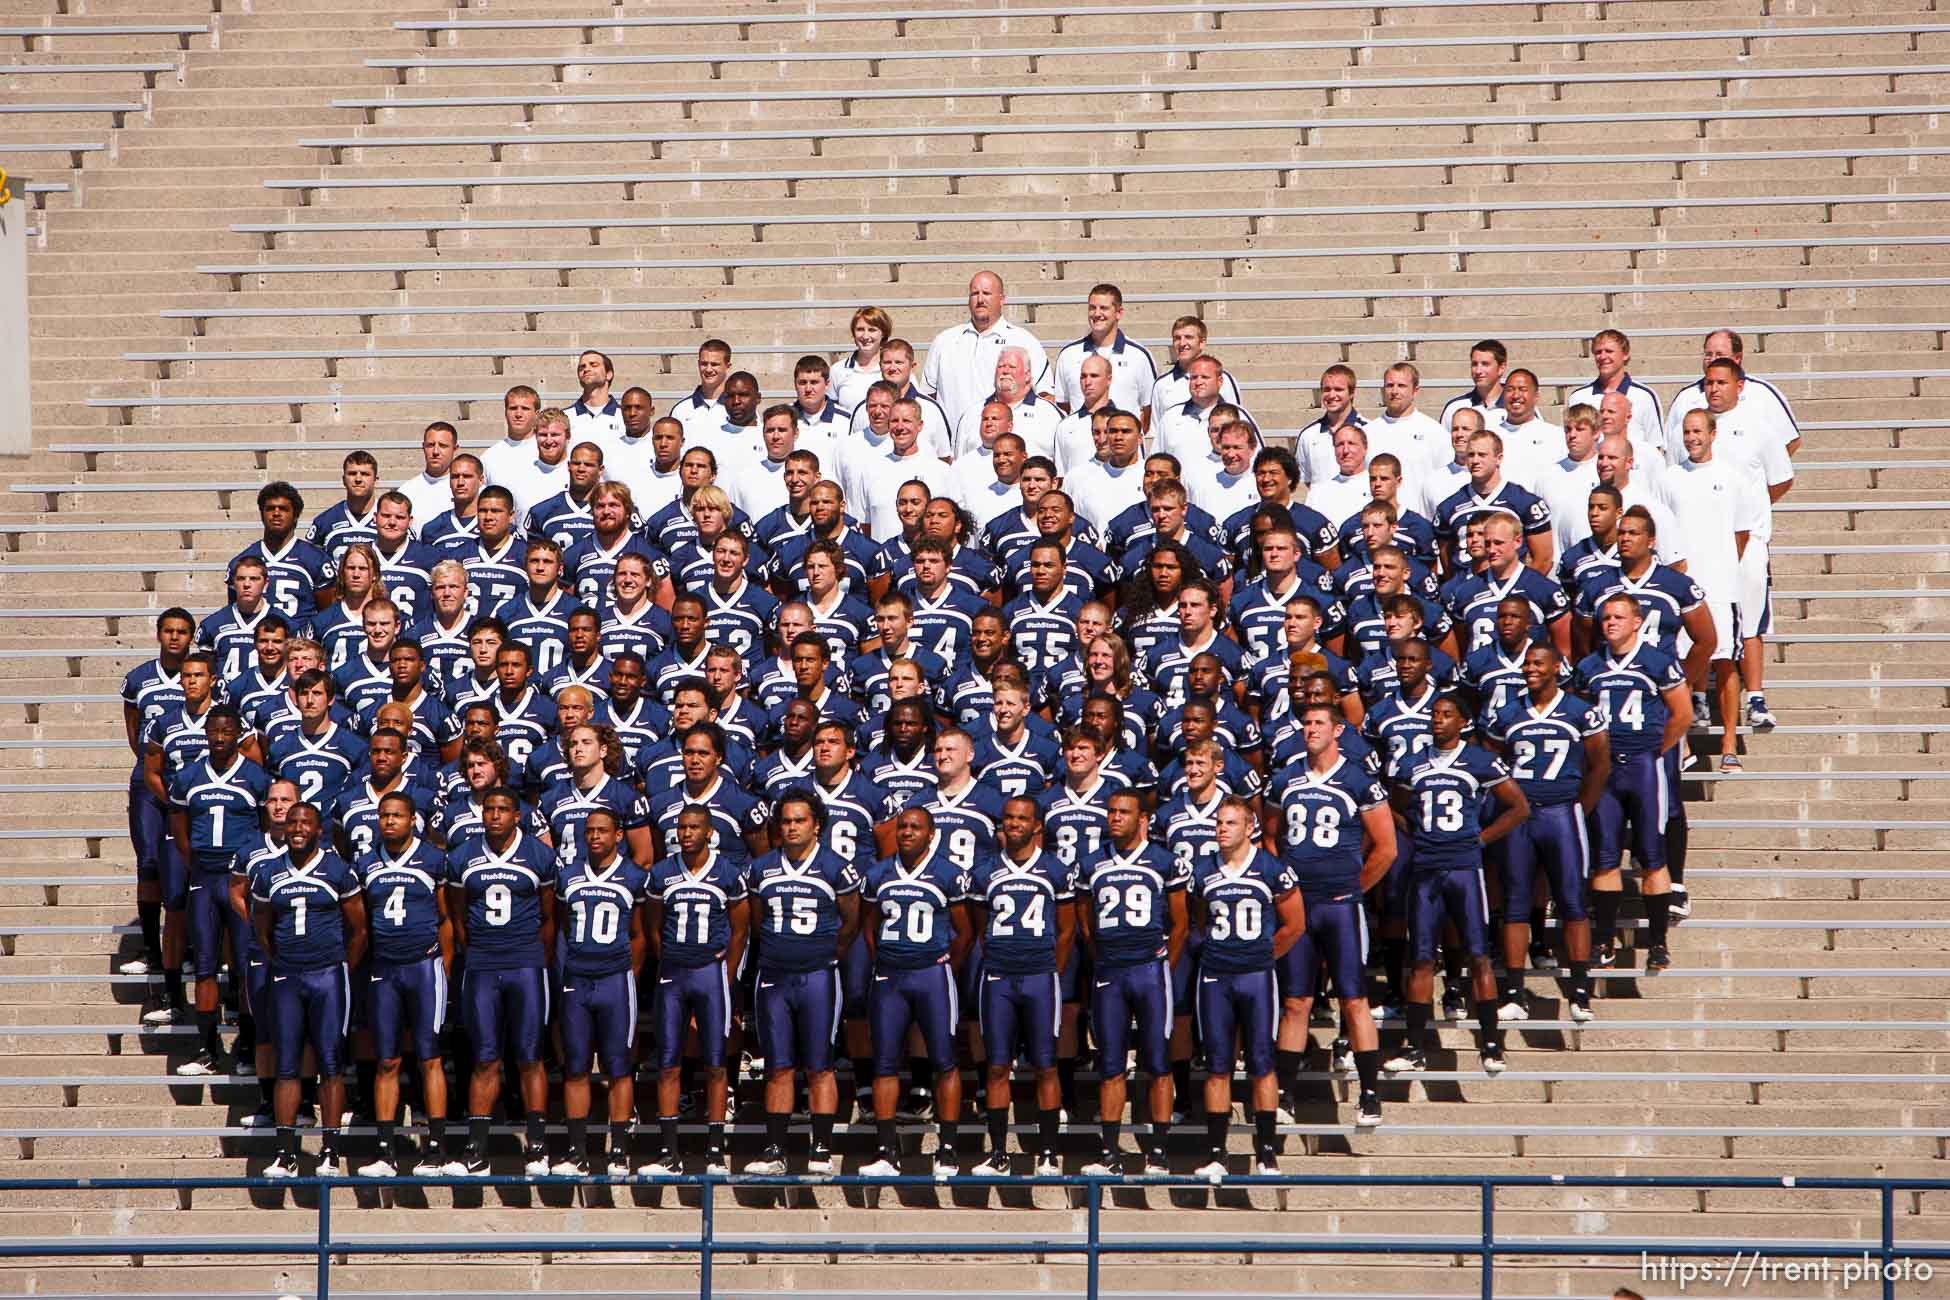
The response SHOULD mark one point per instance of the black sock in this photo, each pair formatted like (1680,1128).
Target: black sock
(288,1141)
(714,1136)
(267,1089)
(1286,1067)
(1487,1022)
(537,1128)
(1048,1122)
(919,1071)
(890,1138)
(1265,1140)
(1155,1137)
(1581,977)
(477,1132)
(1537,926)
(1418,1015)
(948,1131)
(206,1027)
(1657,919)
(579,1138)
(822,1131)
(619,1140)
(998,1117)
(384,1139)
(862,1074)
(1604,916)
(1216,1128)
(436,1133)
(1394,961)
(149,917)
(1066,1077)
(667,1125)
(1512,985)
(1181,1084)
(1367,1065)
(173,985)
(368,1076)
(1110,1131)
(1676,835)
(308,1090)
(775,1130)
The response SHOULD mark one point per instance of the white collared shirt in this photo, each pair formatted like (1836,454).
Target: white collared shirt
(961,364)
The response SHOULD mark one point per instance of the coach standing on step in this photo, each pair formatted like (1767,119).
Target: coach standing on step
(961,361)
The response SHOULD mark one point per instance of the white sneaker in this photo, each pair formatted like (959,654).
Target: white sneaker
(1047,1167)
(991,1166)
(1343,1062)
(881,1167)
(945,1166)
(430,1166)
(133,966)
(380,1168)
(1388,1011)
(1266,1168)
(566,1167)
(162,1015)
(656,1168)
(1212,1170)
(1407,1063)
(1582,1014)
(765,1165)
(1098,1168)
(821,1162)
(1679,903)
(1513,1010)
(282,1167)
(1493,1063)
(717,1164)
(536,1167)
(1284,1116)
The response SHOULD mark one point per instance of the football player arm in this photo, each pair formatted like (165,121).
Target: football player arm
(642,845)
(450,750)
(883,839)
(1515,807)
(964,936)
(739,917)
(1581,627)
(152,772)
(240,898)
(1543,550)
(848,906)
(546,899)
(1679,715)
(639,941)
(1086,906)
(1181,926)
(179,831)
(353,909)
(1292,916)
(457,913)
(1559,629)
(653,908)
(1380,830)
(1698,622)
(1775,491)
(1597,767)
(132,724)
(1066,930)
(261,922)
(446,931)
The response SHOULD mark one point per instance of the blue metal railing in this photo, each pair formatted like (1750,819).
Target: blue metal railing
(1886,1261)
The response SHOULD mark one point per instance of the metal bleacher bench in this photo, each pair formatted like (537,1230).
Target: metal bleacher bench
(1353,47)
(1165,90)
(1217,299)
(824,17)
(48,31)
(116,110)
(1138,130)
(731,260)
(73,148)
(1115,171)
(147,71)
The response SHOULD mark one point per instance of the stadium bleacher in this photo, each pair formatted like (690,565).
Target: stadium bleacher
(269,235)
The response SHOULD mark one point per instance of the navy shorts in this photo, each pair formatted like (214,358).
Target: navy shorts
(1635,804)
(1337,934)
(856,979)
(207,903)
(1457,894)
(685,993)
(407,994)
(1246,1001)
(1552,840)
(257,995)
(505,1009)
(1392,893)
(598,1022)
(798,1015)
(1122,994)
(148,831)
(925,998)
(312,1007)
(1021,1012)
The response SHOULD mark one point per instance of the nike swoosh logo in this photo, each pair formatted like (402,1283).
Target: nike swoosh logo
(663,981)
(279,979)
(764,986)
(994,979)
(1103,984)
(880,979)
(1208,980)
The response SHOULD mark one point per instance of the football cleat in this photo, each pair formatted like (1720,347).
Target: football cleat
(1493,1062)
(993,1165)
(535,1162)
(770,1161)
(945,1166)
(570,1167)
(1341,1058)
(1102,1165)
(203,1063)
(658,1167)
(1514,1009)
(472,1162)
(133,966)
(382,1167)
(882,1166)
(1369,1113)
(1657,959)
(1679,904)
(1541,957)
(284,1166)
(1047,1165)
(820,1161)
(1213,1170)
(1410,1061)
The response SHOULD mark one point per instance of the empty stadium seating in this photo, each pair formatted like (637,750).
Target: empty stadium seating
(270,233)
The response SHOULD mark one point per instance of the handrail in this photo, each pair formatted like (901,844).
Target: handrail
(1670,1261)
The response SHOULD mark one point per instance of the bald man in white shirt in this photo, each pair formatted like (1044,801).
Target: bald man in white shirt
(961,361)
